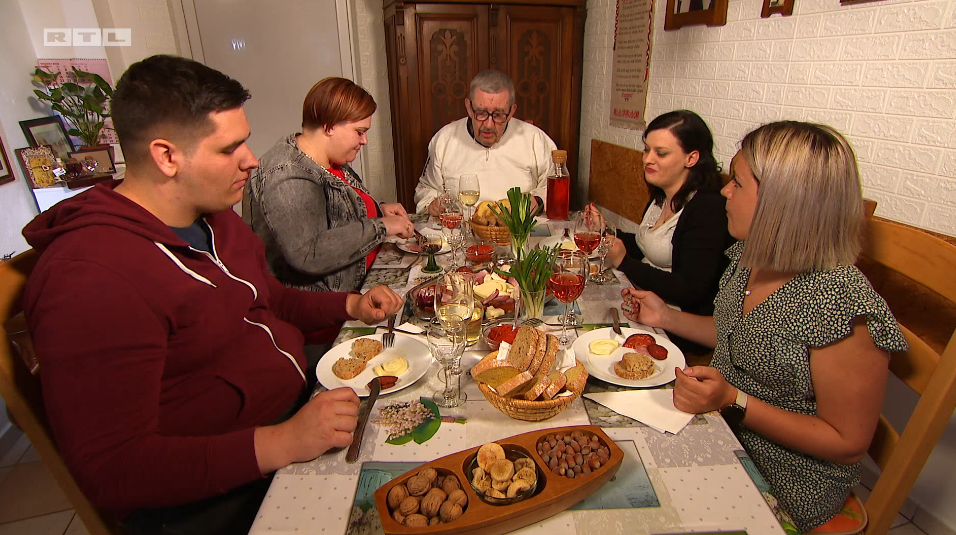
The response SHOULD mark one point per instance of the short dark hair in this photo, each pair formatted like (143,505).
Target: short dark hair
(334,100)
(692,134)
(169,96)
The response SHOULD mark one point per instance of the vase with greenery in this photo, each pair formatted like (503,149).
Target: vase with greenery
(532,272)
(84,103)
(518,216)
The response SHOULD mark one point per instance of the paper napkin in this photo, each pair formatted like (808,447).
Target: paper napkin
(652,407)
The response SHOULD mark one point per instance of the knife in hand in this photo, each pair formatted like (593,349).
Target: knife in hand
(375,385)
(617,323)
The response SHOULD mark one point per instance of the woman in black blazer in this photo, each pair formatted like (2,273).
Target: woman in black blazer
(678,252)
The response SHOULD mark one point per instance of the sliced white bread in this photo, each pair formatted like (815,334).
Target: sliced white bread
(492,371)
(540,383)
(522,351)
(577,377)
(558,380)
(540,350)
(515,386)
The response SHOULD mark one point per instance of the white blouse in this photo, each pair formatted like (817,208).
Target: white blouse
(655,242)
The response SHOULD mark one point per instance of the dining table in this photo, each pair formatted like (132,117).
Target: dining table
(699,480)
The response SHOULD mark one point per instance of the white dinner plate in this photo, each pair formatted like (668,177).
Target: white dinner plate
(411,246)
(602,366)
(414,350)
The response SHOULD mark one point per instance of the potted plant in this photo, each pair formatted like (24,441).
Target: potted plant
(84,105)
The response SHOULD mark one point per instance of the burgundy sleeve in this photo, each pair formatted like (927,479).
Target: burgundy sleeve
(102,350)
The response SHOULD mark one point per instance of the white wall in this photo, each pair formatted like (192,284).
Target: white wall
(883,73)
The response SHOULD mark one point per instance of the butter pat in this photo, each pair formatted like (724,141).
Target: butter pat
(396,367)
(603,347)
(569,246)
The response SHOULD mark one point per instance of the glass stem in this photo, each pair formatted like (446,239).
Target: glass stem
(564,325)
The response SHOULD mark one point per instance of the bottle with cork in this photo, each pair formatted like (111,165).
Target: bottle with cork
(559,186)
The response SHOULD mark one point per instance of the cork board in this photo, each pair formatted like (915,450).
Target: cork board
(616,180)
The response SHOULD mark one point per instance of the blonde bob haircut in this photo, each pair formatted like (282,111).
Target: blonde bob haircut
(809,213)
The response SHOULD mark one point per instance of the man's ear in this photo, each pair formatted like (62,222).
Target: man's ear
(468,109)
(692,159)
(514,108)
(166,156)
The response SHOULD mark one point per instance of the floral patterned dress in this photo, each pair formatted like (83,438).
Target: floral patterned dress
(766,353)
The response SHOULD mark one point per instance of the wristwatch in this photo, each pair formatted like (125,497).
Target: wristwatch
(734,413)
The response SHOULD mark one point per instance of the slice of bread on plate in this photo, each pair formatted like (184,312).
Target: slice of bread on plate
(515,386)
(366,348)
(540,383)
(348,368)
(492,371)
(558,380)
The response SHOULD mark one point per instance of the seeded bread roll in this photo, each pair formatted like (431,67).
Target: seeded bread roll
(346,368)
(366,348)
(634,366)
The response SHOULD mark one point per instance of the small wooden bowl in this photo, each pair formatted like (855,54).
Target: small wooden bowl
(498,235)
(552,495)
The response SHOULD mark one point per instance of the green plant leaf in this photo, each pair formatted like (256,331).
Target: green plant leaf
(404,439)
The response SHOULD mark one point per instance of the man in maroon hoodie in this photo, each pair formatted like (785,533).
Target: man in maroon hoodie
(170,356)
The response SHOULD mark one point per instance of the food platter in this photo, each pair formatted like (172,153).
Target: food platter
(602,366)
(552,494)
(412,349)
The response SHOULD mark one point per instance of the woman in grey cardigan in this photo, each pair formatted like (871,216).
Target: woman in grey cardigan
(320,225)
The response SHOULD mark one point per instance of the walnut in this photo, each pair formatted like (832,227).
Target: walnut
(437,492)
(398,516)
(450,484)
(449,512)
(439,482)
(416,521)
(429,474)
(518,487)
(409,506)
(459,497)
(417,485)
(396,495)
(432,502)
(434,521)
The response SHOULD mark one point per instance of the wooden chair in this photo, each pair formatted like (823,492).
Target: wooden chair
(20,388)
(929,262)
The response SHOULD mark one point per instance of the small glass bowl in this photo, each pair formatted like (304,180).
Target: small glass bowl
(512,455)
(486,331)
(479,253)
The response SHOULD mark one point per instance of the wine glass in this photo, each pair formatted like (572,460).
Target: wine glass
(567,283)
(451,216)
(430,242)
(588,227)
(454,306)
(468,192)
(607,241)
(446,346)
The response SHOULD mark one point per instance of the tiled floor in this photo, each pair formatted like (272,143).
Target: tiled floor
(31,502)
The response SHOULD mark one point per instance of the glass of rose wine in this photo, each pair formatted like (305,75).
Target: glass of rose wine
(607,241)
(468,192)
(588,228)
(567,280)
(451,216)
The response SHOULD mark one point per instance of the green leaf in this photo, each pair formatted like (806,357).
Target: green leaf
(404,439)
(426,430)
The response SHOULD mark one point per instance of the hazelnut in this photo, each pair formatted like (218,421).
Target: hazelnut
(431,503)
(450,484)
(429,474)
(398,516)
(416,521)
(449,512)
(417,485)
(396,495)
(459,497)
(409,506)
(517,487)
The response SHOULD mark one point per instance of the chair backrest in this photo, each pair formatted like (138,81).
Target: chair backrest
(928,262)
(20,388)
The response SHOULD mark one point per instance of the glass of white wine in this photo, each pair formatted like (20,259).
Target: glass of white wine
(468,192)
(447,347)
(454,306)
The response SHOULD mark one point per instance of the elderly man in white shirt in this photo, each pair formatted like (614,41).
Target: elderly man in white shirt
(503,151)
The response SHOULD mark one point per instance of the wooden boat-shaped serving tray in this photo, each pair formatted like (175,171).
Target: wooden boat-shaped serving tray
(553,494)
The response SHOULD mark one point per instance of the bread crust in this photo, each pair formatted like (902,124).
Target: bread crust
(348,368)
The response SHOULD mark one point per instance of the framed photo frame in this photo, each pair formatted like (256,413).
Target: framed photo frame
(783,7)
(682,13)
(103,158)
(6,172)
(38,164)
(48,131)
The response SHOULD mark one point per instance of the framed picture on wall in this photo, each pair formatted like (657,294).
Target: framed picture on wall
(38,164)
(48,131)
(682,13)
(6,173)
(784,7)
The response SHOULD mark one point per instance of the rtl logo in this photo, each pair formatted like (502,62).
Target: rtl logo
(87,37)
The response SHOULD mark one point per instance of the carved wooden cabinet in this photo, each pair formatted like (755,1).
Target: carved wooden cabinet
(434,49)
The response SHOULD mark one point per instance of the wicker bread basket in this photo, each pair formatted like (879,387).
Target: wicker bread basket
(498,235)
(529,411)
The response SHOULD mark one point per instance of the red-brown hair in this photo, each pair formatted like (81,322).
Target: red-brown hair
(334,100)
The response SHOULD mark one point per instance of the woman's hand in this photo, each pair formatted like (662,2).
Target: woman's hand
(702,389)
(644,307)
(393,208)
(616,255)
(401,226)
(374,305)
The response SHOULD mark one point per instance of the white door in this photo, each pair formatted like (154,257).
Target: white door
(277,49)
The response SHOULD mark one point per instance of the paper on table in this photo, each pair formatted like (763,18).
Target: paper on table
(653,407)
(410,327)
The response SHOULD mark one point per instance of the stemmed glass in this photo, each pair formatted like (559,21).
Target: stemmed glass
(567,280)
(607,241)
(588,227)
(430,244)
(451,215)
(446,346)
(468,192)
(454,305)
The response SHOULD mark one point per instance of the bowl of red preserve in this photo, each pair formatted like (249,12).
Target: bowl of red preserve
(479,253)
(498,332)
